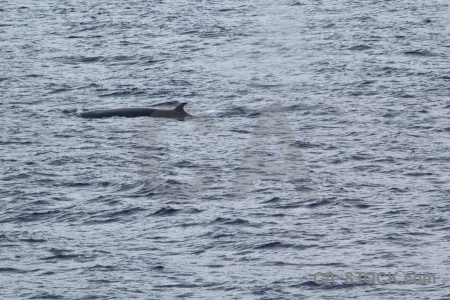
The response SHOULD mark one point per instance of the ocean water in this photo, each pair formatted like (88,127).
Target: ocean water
(319,150)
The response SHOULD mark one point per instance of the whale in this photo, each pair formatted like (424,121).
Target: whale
(176,113)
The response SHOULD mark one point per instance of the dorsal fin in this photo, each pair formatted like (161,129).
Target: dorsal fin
(180,107)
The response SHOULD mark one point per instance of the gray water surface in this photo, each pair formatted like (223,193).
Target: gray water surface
(320,143)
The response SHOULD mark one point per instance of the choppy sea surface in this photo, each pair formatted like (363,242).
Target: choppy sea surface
(320,147)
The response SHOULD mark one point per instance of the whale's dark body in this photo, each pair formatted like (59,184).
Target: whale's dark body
(176,113)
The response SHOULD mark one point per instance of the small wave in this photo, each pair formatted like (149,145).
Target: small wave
(273,200)
(425,53)
(14,270)
(359,48)
(102,268)
(273,245)
(166,211)
(33,241)
(47,296)
(130,92)
(236,222)
(418,174)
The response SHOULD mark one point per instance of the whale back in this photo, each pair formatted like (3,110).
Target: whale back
(118,112)
(176,113)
